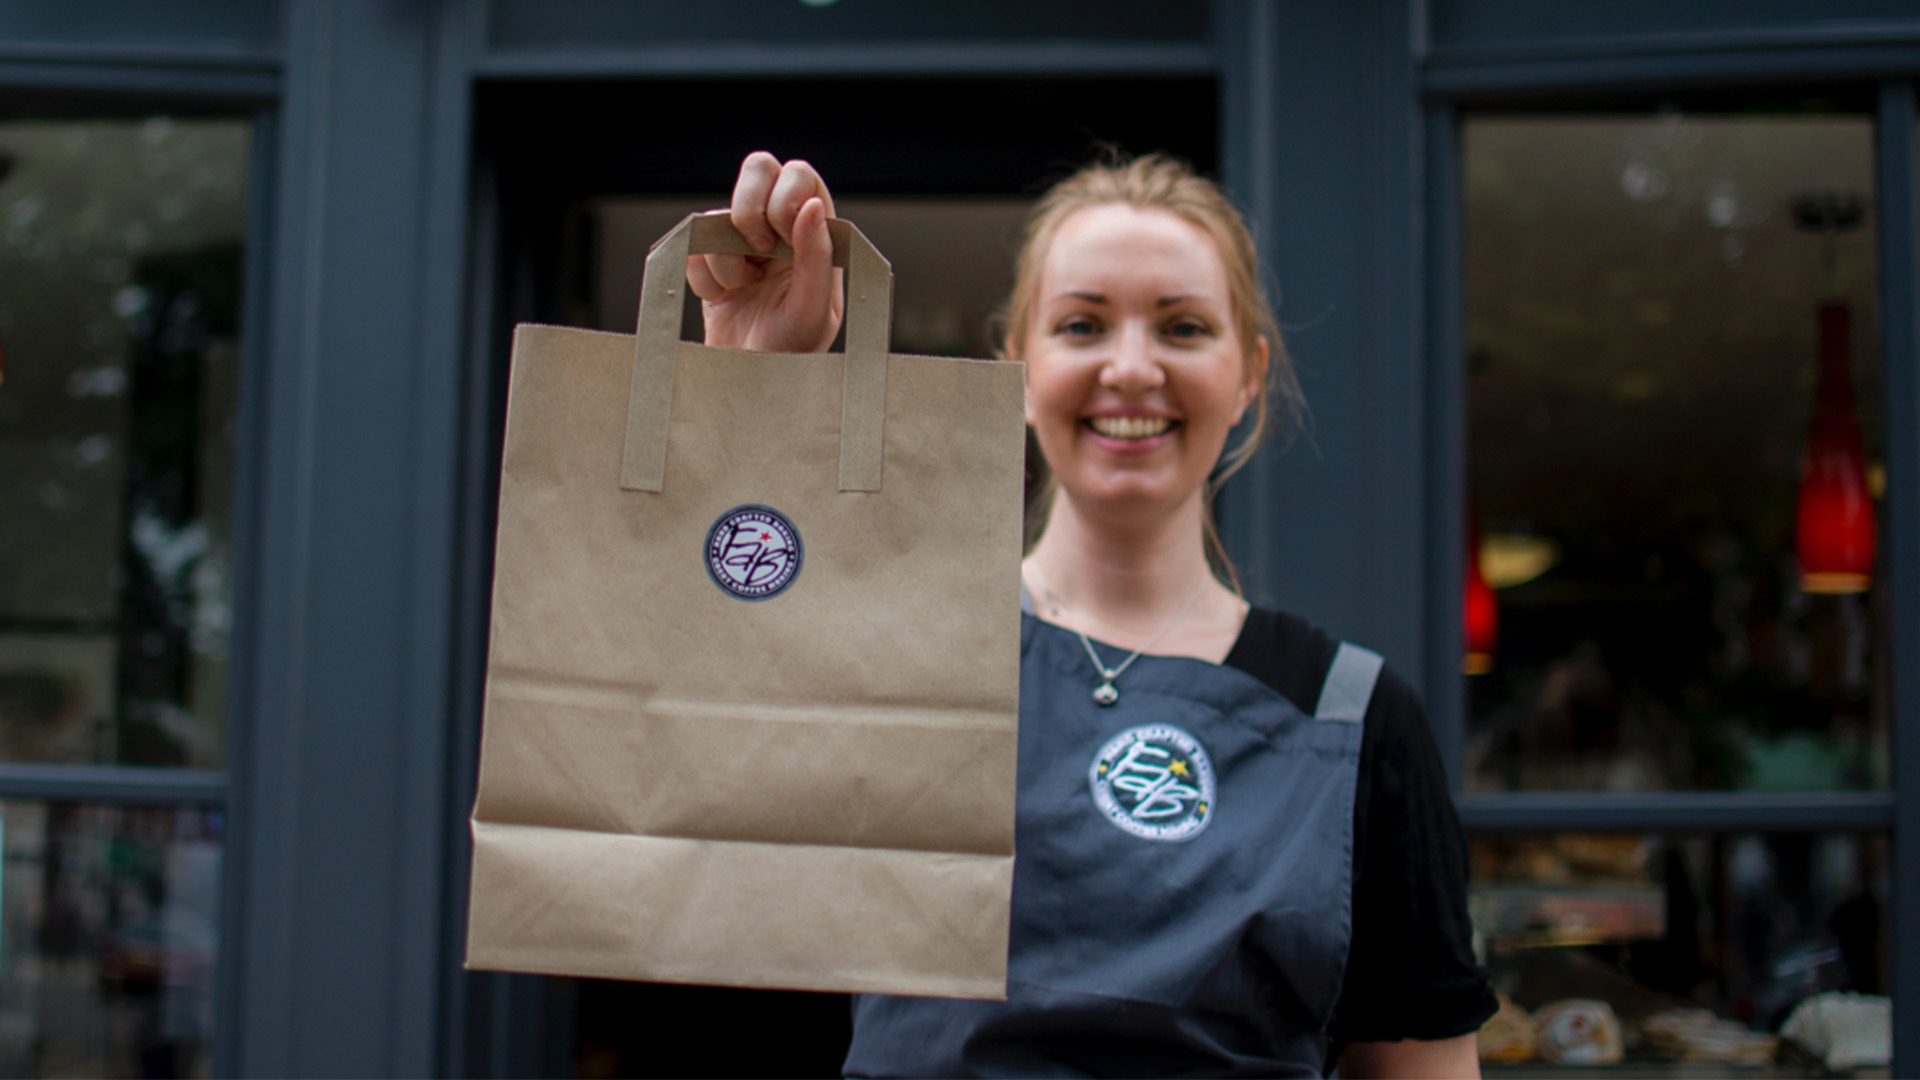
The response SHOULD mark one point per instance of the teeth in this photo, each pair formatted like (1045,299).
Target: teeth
(1130,427)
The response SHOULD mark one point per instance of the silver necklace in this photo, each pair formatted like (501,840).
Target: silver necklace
(1106,693)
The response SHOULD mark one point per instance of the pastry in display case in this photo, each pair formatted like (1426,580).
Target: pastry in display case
(1580,1032)
(1699,1035)
(1843,1031)
(1681,955)
(1509,1036)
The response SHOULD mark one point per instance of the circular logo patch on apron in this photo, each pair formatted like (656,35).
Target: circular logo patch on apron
(753,552)
(1155,782)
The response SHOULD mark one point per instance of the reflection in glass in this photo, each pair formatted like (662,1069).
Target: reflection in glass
(1644,325)
(109,923)
(120,248)
(1688,948)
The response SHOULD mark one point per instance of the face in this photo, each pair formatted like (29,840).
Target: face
(1135,369)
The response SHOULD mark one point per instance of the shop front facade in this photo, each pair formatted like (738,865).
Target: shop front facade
(1609,319)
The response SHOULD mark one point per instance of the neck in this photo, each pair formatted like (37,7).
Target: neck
(1132,580)
(1123,574)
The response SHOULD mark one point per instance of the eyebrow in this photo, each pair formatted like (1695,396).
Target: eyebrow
(1101,298)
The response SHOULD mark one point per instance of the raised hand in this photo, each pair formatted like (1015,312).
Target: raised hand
(767,304)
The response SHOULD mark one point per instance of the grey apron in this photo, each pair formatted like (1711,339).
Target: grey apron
(1182,889)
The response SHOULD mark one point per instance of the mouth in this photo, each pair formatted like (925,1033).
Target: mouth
(1131,428)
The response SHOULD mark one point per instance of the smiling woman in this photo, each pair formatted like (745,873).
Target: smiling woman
(1237,852)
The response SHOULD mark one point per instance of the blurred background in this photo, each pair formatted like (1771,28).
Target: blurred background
(1607,316)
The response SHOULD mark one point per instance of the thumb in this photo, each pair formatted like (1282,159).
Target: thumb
(811,293)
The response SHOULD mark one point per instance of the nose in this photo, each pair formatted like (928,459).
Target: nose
(1132,367)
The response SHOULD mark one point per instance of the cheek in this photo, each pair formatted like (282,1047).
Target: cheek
(1217,392)
(1054,390)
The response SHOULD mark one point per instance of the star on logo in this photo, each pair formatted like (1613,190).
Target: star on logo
(1179,768)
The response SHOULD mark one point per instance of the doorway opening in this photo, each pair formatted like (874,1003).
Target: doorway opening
(576,180)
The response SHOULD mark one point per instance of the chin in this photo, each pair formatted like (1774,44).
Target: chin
(1138,497)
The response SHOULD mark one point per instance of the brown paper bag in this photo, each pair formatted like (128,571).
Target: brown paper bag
(754,672)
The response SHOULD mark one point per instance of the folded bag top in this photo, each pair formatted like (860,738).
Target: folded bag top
(869,313)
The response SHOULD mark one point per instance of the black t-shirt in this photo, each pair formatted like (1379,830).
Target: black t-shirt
(1410,967)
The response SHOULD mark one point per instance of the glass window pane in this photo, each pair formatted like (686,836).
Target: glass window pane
(1667,316)
(1679,949)
(120,252)
(109,929)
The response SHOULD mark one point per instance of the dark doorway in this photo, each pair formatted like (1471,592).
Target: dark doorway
(554,158)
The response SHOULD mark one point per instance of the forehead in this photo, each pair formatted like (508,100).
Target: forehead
(1118,250)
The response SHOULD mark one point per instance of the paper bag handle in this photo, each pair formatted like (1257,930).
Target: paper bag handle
(863,397)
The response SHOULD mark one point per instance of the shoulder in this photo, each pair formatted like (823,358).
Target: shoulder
(1293,656)
(1287,653)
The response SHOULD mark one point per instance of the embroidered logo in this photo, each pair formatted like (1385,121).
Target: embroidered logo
(753,552)
(1155,782)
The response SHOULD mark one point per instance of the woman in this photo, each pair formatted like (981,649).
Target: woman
(1236,853)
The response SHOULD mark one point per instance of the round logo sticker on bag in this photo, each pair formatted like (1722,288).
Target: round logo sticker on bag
(1155,782)
(753,552)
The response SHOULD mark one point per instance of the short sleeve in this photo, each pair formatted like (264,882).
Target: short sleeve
(1410,969)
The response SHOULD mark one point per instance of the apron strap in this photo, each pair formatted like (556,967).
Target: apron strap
(1349,685)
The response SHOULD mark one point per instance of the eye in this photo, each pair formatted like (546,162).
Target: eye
(1188,328)
(1077,326)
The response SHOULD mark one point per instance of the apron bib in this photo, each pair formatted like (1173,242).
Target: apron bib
(1182,883)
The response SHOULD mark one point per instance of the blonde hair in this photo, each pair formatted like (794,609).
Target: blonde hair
(1158,182)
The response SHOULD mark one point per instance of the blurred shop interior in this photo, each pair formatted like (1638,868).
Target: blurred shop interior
(1669,312)
(121,257)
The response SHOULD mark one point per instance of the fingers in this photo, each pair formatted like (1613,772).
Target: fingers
(701,280)
(734,271)
(751,194)
(796,183)
(712,276)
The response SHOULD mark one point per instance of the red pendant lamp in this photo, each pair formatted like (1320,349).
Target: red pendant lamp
(1834,520)
(1479,609)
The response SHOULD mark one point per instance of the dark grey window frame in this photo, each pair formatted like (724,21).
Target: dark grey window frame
(242,87)
(1887,61)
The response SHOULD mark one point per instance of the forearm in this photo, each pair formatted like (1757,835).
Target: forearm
(1443,1059)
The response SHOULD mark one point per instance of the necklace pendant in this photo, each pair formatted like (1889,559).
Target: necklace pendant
(1105,694)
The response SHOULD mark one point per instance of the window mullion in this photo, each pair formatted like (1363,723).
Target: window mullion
(1899,253)
(115,784)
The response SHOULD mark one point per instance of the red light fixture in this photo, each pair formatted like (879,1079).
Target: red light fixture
(1835,520)
(1479,609)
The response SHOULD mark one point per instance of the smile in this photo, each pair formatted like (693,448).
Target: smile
(1130,427)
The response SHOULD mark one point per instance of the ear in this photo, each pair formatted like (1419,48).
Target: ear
(1026,394)
(1256,377)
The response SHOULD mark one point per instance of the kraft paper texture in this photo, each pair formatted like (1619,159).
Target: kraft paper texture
(814,790)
